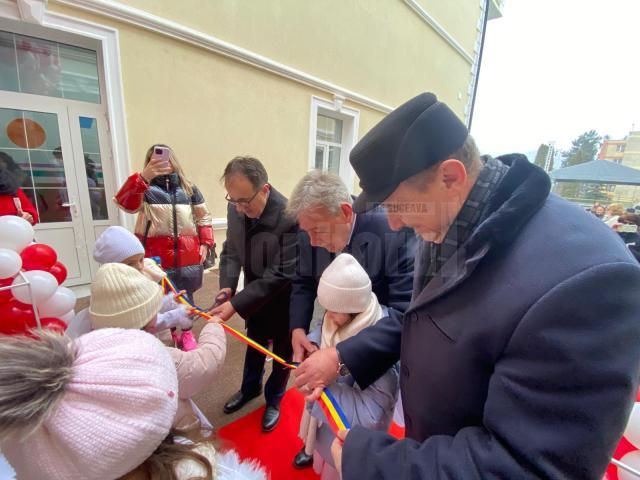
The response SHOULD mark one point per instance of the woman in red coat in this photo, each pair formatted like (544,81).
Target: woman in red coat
(13,201)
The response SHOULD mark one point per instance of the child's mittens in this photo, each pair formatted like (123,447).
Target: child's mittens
(169,303)
(178,317)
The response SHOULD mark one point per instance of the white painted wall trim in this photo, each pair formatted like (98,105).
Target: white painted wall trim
(163,26)
(113,89)
(439,29)
(351,123)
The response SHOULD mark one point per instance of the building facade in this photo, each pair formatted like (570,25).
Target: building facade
(625,152)
(87,86)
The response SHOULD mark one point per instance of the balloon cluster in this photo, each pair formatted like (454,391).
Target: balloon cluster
(628,450)
(37,263)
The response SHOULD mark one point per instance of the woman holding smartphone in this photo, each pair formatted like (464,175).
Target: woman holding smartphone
(173,222)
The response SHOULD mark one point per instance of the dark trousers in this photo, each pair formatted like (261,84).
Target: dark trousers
(254,365)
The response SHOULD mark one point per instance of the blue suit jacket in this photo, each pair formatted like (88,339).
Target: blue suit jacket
(387,257)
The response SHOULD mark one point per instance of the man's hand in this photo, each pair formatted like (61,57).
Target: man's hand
(224,311)
(215,319)
(204,251)
(154,168)
(336,449)
(316,372)
(302,347)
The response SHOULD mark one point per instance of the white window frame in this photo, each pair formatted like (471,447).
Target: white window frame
(350,123)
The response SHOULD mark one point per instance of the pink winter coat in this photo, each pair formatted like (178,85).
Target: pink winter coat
(197,369)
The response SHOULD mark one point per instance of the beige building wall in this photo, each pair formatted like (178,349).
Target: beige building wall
(210,107)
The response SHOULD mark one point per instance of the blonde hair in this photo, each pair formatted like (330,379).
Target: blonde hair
(184,183)
(34,373)
(161,465)
(615,209)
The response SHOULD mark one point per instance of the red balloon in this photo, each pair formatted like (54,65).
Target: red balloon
(38,257)
(53,324)
(5,295)
(16,317)
(59,271)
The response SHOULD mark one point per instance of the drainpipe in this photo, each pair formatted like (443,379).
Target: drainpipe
(477,76)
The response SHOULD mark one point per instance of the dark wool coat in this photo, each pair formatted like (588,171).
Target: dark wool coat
(521,363)
(266,251)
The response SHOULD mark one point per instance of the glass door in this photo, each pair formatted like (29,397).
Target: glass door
(35,143)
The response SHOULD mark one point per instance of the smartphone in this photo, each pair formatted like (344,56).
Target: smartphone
(161,154)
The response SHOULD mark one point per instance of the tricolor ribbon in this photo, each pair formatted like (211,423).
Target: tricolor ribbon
(335,415)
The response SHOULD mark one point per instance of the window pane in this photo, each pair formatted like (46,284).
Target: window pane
(93,167)
(319,155)
(50,207)
(42,130)
(8,66)
(47,168)
(17,161)
(12,134)
(79,74)
(89,134)
(329,129)
(30,146)
(334,160)
(98,203)
(38,66)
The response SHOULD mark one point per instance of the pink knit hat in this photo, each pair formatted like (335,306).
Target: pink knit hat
(117,404)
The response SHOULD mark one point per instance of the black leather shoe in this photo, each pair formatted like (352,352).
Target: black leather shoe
(237,401)
(302,460)
(270,419)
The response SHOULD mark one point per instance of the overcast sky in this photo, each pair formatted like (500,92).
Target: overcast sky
(553,69)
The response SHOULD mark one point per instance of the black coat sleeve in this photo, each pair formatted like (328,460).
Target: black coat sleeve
(369,354)
(275,278)
(557,402)
(304,286)
(400,256)
(230,264)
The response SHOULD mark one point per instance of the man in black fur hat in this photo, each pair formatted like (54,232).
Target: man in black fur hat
(519,351)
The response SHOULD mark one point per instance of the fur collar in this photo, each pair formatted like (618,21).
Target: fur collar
(518,197)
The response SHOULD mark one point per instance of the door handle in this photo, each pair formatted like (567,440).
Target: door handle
(73,206)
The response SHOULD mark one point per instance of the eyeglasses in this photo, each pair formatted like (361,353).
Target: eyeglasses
(241,201)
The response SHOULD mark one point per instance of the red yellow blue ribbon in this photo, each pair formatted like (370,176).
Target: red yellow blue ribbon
(333,412)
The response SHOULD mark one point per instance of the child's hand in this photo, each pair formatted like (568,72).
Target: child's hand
(215,319)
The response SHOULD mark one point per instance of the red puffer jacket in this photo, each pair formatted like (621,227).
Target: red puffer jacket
(171,225)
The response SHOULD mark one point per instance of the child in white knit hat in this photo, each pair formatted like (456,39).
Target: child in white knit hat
(344,291)
(123,297)
(100,407)
(119,245)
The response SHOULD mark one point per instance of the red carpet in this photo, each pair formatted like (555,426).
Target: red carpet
(274,450)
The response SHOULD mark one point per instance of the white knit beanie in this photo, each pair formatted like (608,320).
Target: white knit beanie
(122,297)
(115,245)
(109,403)
(344,286)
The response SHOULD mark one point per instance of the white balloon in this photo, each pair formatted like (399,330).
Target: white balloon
(10,263)
(632,459)
(15,233)
(43,286)
(67,317)
(632,432)
(61,302)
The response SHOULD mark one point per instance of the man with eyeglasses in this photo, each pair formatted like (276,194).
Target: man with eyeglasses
(261,240)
